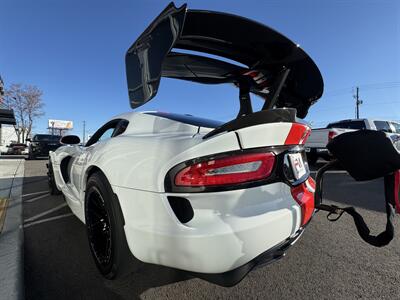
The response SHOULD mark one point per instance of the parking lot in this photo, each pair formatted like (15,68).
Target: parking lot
(328,262)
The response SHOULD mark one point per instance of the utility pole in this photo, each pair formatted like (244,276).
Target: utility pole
(358,103)
(84,131)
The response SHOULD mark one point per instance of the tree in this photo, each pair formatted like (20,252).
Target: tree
(27,103)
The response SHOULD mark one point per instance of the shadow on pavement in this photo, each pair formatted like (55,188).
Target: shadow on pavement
(5,183)
(58,263)
(348,192)
(147,276)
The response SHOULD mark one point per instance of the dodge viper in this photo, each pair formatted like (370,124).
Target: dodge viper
(211,198)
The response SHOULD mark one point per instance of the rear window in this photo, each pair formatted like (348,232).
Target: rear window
(188,119)
(382,126)
(46,137)
(348,125)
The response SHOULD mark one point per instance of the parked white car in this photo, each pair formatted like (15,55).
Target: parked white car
(211,198)
(319,138)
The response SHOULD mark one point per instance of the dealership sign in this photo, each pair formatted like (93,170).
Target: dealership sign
(61,124)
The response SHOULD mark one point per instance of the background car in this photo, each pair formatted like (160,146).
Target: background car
(320,137)
(16,149)
(41,144)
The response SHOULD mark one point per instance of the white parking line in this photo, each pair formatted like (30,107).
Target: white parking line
(48,220)
(45,213)
(36,193)
(36,198)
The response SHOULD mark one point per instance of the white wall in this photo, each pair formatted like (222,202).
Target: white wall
(7,135)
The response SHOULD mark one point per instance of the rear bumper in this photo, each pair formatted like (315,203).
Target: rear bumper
(229,229)
(233,277)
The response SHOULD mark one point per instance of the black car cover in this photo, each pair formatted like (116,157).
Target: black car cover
(365,155)
(258,52)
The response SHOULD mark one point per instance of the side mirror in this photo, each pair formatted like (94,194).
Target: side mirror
(70,140)
(28,140)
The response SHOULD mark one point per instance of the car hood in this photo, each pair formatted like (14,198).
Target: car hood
(259,54)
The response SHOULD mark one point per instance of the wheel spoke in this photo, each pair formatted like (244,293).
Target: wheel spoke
(99,228)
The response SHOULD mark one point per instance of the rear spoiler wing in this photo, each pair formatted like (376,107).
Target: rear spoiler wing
(266,63)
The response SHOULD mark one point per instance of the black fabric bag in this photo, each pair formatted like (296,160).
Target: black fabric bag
(365,155)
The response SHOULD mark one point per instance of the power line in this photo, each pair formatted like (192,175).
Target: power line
(368,86)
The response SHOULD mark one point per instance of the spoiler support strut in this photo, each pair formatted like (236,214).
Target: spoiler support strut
(244,97)
(277,88)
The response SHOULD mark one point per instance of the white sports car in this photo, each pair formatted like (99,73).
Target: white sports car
(211,198)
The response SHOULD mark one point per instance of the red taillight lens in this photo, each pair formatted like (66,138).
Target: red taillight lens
(228,170)
(331,135)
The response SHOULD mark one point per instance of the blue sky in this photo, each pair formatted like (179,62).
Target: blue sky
(74,51)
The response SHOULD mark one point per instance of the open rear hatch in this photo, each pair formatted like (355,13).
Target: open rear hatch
(267,63)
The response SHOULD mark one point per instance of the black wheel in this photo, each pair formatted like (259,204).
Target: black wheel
(31,156)
(104,223)
(51,181)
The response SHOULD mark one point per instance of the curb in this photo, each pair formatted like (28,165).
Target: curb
(12,239)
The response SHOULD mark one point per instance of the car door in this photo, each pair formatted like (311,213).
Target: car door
(91,152)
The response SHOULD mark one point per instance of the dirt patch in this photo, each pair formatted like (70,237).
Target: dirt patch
(3,210)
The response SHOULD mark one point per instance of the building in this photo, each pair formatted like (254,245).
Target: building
(7,120)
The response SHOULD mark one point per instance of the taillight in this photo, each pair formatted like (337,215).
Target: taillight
(227,170)
(331,135)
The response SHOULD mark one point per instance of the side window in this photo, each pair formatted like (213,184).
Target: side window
(339,125)
(104,132)
(348,125)
(107,134)
(356,125)
(382,126)
(121,127)
(396,127)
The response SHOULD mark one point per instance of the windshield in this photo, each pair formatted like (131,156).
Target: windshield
(46,137)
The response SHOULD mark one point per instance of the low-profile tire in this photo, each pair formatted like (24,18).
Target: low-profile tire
(105,229)
(51,180)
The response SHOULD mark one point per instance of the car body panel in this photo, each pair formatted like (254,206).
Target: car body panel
(247,222)
(229,228)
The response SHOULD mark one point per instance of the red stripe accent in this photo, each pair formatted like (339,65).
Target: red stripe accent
(298,134)
(311,182)
(397,190)
(305,199)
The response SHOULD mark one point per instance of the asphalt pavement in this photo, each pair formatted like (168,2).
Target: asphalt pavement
(329,261)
